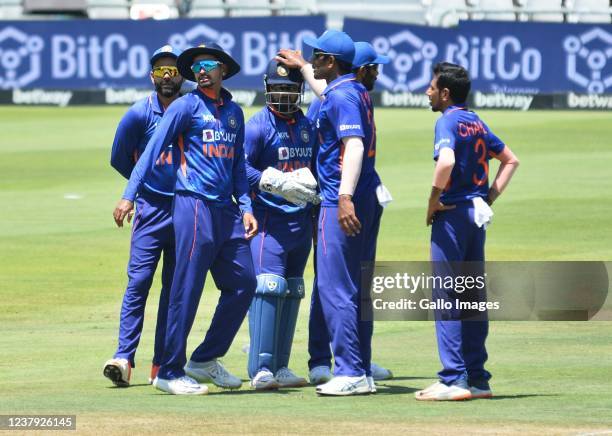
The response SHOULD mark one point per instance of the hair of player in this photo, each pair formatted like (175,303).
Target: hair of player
(455,78)
(343,66)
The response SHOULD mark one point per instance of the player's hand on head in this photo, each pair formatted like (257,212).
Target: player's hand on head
(250,225)
(349,223)
(125,208)
(290,58)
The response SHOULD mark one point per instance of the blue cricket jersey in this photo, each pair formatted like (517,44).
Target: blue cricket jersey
(313,110)
(209,135)
(474,145)
(286,144)
(133,133)
(346,111)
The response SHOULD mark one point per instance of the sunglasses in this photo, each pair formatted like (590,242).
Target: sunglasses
(317,54)
(205,65)
(160,72)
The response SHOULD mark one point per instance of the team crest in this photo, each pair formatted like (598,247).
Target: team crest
(305,136)
(272,285)
(232,122)
(166,48)
(282,71)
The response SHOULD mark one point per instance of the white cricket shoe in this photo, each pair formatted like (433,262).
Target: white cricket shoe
(380,373)
(287,379)
(440,392)
(264,380)
(372,385)
(180,386)
(118,371)
(343,385)
(319,375)
(214,372)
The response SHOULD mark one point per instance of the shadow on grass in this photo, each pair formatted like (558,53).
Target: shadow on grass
(415,377)
(393,390)
(519,396)
(132,385)
(253,391)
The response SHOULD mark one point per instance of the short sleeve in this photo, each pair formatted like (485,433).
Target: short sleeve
(444,136)
(347,108)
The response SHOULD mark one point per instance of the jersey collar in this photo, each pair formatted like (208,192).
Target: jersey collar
(454,108)
(155,105)
(350,77)
(289,120)
(224,96)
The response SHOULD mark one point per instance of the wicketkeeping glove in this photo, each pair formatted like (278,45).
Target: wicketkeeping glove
(298,187)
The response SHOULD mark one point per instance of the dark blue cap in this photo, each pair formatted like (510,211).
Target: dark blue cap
(165,51)
(278,74)
(335,43)
(185,60)
(365,54)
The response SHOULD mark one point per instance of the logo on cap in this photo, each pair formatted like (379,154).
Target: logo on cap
(202,45)
(166,48)
(282,71)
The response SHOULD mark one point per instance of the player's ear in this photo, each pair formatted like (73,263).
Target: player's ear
(152,79)
(445,94)
(223,70)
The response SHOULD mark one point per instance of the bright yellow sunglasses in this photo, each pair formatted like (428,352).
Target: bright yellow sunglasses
(160,72)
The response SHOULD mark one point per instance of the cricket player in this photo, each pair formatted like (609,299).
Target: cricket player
(350,213)
(365,67)
(458,212)
(152,233)
(279,145)
(211,230)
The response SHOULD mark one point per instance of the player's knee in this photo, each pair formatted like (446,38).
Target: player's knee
(296,288)
(271,285)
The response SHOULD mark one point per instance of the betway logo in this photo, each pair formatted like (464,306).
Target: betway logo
(124,96)
(502,101)
(38,96)
(592,101)
(244,98)
(404,99)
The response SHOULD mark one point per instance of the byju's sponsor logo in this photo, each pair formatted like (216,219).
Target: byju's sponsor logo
(20,54)
(587,60)
(283,153)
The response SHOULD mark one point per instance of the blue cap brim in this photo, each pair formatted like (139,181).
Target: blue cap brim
(165,54)
(312,42)
(381,59)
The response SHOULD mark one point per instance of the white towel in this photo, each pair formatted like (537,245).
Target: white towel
(383,195)
(483,214)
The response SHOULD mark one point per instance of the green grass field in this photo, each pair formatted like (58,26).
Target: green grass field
(62,276)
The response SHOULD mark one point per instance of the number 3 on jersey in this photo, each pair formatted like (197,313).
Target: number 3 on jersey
(480,149)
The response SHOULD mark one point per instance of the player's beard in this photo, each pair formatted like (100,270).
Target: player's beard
(168,89)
